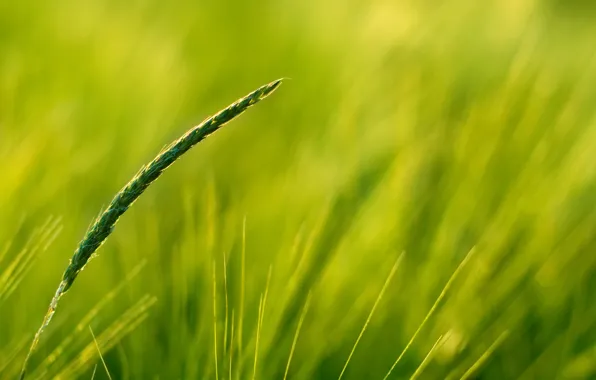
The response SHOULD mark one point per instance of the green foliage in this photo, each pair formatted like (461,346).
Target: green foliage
(432,129)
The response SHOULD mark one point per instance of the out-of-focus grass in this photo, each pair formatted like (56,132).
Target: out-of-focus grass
(431,128)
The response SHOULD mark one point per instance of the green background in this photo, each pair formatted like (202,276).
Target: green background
(433,128)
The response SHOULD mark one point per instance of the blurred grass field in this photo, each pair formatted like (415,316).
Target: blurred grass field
(448,131)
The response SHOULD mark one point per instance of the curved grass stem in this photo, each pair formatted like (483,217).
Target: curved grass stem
(105,223)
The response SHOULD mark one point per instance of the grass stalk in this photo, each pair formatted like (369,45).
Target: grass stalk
(427,358)
(242,281)
(431,311)
(260,322)
(215,321)
(298,328)
(484,357)
(256,358)
(231,347)
(225,277)
(372,311)
(105,223)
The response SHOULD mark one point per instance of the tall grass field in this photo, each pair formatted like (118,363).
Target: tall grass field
(417,201)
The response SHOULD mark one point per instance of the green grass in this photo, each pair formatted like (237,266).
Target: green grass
(430,129)
(105,223)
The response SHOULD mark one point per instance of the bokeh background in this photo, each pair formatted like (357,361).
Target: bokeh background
(449,131)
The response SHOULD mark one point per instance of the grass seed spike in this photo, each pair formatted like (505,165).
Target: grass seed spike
(104,225)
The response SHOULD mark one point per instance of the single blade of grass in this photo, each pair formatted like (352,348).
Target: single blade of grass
(225,277)
(298,328)
(105,223)
(426,359)
(260,315)
(260,321)
(231,347)
(485,356)
(372,311)
(93,374)
(242,290)
(215,321)
(431,311)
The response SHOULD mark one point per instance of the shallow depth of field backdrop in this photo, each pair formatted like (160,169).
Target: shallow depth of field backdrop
(446,130)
